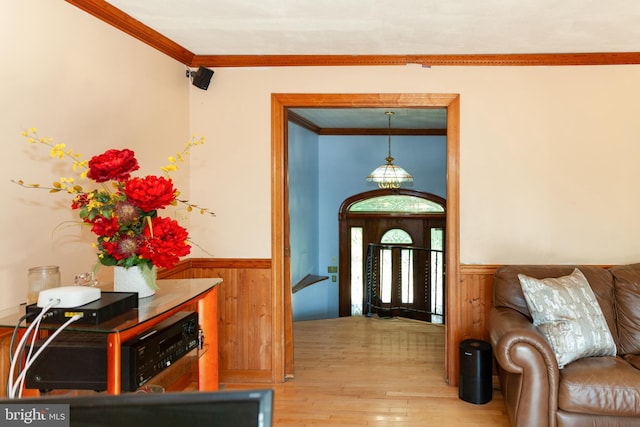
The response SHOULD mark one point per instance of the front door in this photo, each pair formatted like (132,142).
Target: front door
(392,254)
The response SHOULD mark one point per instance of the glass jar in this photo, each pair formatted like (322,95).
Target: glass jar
(41,278)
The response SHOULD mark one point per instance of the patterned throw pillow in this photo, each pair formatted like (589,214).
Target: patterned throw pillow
(566,312)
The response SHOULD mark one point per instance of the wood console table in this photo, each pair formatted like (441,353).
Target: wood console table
(173,295)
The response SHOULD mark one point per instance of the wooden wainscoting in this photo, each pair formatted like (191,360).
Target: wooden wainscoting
(245,333)
(476,299)
(245,315)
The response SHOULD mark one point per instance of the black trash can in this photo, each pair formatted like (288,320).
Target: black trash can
(476,369)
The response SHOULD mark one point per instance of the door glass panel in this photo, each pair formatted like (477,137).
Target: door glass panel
(437,273)
(357,267)
(386,268)
(396,203)
(407,276)
(396,236)
(437,239)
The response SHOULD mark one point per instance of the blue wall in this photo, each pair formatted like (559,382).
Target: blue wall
(342,164)
(303,207)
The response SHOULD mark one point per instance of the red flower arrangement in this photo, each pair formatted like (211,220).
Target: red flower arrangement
(125,221)
(125,218)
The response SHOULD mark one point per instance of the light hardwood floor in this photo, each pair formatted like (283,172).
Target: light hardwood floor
(359,371)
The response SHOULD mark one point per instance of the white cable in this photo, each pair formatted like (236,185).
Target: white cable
(12,345)
(35,323)
(34,336)
(19,348)
(42,347)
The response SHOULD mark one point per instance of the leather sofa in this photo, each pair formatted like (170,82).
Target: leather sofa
(592,391)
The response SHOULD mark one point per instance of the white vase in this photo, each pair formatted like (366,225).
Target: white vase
(135,279)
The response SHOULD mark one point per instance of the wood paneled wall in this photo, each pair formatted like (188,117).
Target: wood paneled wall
(476,296)
(244,305)
(245,318)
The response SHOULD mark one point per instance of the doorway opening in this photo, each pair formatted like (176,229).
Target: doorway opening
(281,281)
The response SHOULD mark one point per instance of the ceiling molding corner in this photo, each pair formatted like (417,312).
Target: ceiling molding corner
(120,20)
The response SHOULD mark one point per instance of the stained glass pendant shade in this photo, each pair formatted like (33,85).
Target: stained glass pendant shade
(389,175)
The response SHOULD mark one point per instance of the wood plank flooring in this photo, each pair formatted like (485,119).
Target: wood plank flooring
(359,371)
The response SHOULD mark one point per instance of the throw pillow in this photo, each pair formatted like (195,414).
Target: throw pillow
(568,315)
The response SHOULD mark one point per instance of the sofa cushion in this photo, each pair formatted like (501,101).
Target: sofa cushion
(600,386)
(566,312)
(627,294)
(633,359)
(508,293)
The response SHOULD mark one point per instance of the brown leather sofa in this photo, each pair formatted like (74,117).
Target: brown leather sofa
(593,391)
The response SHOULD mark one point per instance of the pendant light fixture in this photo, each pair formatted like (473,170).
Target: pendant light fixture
(390,175)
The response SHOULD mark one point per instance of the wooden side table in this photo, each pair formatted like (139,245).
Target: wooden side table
(173,295)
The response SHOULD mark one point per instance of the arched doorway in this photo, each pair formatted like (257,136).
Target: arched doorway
(392,254)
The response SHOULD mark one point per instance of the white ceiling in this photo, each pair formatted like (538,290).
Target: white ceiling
(375,118)
(398,27)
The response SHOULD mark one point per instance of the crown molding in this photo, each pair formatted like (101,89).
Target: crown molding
(542,59)
(118,19)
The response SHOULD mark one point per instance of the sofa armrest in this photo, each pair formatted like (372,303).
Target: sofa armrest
(530,371)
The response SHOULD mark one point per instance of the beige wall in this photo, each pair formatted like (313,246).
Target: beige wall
(91,87)
(548,157)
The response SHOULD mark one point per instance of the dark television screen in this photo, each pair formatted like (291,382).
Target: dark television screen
(193,409)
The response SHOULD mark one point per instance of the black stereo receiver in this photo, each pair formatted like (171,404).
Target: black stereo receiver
(156,349)
(78,360)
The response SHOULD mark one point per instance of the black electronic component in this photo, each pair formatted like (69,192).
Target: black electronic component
(202,78)
(78,360)
(156,349)
(110,305)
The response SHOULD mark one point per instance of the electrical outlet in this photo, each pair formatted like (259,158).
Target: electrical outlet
(333,278)
(182,216)
(332,269)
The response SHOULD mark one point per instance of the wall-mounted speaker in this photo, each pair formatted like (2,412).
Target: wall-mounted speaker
(202,78)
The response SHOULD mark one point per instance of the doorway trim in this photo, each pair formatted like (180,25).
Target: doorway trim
(281,281)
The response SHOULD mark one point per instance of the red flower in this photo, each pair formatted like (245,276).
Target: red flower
(166,242)
(150,193)
(102,226)
(112,165)
(80,201)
